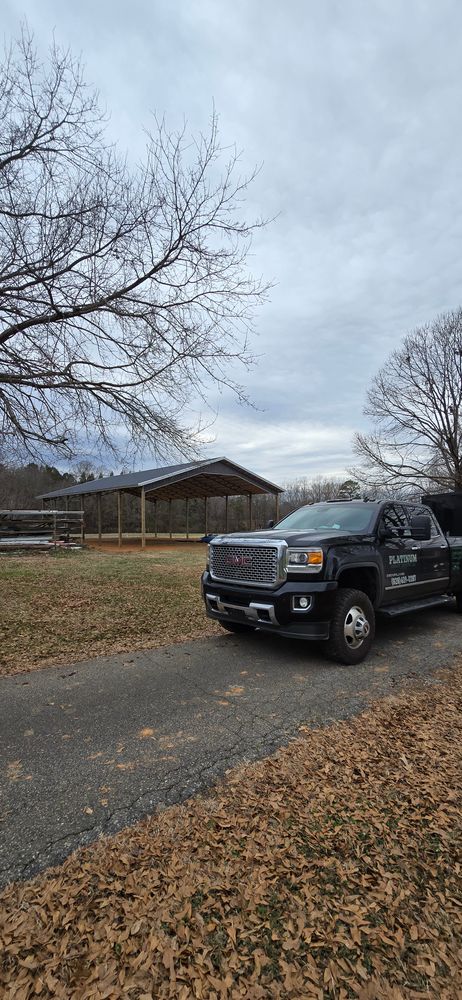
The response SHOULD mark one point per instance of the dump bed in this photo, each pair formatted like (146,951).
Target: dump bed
(447,508)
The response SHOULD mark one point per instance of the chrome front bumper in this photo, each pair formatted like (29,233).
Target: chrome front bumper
(257,613)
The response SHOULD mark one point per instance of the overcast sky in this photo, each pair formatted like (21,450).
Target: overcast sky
(354,111)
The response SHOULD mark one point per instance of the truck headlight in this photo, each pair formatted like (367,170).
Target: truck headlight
(310,560)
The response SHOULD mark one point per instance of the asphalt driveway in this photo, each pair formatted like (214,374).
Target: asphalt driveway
(90,748)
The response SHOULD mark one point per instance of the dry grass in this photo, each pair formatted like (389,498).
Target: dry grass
(59,608)
(330,870)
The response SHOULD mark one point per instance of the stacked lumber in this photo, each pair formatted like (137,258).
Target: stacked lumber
(40,529)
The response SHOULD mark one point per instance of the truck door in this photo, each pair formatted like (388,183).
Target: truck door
(401,556)
(434,557)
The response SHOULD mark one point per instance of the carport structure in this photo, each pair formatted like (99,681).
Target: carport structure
(215,477)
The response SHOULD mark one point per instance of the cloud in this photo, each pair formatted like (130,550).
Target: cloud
(353,110)
(283,451)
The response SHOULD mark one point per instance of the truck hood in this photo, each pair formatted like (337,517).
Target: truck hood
(295,539)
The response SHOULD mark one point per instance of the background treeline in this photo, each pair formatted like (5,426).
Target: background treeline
(20,487)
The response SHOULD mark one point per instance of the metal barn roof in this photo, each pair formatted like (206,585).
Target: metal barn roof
(207,478)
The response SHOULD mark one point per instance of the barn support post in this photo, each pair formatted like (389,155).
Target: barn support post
(226,512)
(143,517)
(98,513)
(206,515)
(119,518)
(187,517)
(82,526)
(250,512)
(170,517)
(155,518)
(276,512)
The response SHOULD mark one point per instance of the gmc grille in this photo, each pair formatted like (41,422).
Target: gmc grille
(244,564)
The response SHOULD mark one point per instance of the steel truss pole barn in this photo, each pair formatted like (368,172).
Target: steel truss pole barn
(202,480)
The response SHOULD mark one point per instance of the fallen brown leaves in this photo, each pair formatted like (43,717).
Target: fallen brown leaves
(331,869)
(62,607)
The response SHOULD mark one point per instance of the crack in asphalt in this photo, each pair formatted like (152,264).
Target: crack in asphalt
(242,717)
(183,785)
(197,783)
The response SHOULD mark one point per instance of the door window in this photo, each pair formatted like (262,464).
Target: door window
(394,519)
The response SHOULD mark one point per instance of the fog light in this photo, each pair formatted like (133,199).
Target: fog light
(301,603)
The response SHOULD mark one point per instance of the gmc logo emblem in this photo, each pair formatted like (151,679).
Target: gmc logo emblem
(238,561)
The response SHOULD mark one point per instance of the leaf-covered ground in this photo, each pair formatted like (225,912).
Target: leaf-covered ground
(65,606)
(330,870)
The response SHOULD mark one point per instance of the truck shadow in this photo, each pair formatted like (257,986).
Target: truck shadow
(412,635)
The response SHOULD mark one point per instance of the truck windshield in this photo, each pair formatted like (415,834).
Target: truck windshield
(330,517)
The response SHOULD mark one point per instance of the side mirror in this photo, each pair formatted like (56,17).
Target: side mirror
(421,527)
(270,524)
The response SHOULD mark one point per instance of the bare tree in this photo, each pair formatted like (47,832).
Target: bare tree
(123,290)
(415,402)
(302,491)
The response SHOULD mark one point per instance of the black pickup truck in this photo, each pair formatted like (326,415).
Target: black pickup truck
(327,569)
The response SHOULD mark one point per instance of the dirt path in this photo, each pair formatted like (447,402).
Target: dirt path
(153,546)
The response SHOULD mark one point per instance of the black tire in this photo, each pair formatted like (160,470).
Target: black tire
(237,627)
(459,602)
(352,627)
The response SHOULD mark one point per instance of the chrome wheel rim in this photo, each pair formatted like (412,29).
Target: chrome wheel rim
(356,627)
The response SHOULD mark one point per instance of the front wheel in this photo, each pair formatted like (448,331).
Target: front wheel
(352,627)
(459,602)
(237,627)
